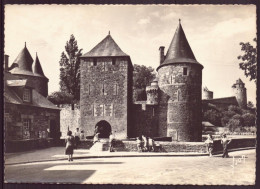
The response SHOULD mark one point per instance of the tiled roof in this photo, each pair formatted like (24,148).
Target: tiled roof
(37,68)
(24,60)
(179,50)
(106,48)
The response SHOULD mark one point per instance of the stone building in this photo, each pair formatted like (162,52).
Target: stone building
(207,94)
(29,117)
(173,105)
(239,92)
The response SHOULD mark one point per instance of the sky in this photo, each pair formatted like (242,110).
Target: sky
(213,32)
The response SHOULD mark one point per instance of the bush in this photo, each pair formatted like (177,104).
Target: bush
(249,119)
(229,113)
(234,124)
(235,109)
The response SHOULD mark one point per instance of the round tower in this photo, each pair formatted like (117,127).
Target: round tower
(207,94)
(239,91)
(31,70)
(180,79)
(152,93)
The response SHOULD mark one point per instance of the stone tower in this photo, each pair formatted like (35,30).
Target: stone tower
(106,90)
(207,94)
(180,79)
(239,91)
(152,93)
(32,71)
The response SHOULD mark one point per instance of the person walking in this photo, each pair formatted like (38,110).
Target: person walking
(77,138)
(69,145)
(111,141)
(210,143)
(225,142)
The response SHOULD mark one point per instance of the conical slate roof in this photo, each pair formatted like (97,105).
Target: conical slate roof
(179,50)
(37,68)
(24,60)
(106,48)
(239,81)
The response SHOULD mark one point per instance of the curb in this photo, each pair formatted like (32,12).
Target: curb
(141,155)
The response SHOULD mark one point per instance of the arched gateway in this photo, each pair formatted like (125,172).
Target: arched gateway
(104,128)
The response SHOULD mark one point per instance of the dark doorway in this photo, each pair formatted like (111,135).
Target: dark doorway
(103,128)
(53,130)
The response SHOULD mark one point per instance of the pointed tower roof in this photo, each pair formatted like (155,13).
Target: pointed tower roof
(239,81)
(106,48)
(24,60)
(37,68)
(179,50)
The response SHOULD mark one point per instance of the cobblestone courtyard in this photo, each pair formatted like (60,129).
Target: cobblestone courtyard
(139,170)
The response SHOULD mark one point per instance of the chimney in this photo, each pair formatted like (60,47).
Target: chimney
(6,59)
(161,49)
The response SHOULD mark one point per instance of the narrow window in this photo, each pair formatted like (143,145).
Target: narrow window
(185,71)
(26,128)
(113,61)
(171,79)
(95,62)
(104,66)
(178,95)
(89,88)
(115,89)
(26,95)
(103,90)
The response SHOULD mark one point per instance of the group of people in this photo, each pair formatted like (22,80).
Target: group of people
(224,141)
(145,144)
(72,142)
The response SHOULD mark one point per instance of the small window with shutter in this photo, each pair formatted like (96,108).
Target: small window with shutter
(185,71)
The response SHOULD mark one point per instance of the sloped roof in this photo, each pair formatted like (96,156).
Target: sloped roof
(37,68)
(24,60)
(207,124)
(17,83)
(106,48)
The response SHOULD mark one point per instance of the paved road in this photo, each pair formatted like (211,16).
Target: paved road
(139,170)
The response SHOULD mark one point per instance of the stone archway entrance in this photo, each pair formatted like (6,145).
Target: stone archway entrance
(104,128)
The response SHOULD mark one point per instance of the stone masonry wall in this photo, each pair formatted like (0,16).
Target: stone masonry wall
(241,96)
(180,101)
(16,117)
(104,94)
(69,119)
(145,120)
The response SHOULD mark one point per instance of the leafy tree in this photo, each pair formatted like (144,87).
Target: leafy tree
(250,104)
(248,59)
(142,77)
(234,124)
(213,116)
(224,121)
(60,98)
(235,109)
(249,119)
(70,69)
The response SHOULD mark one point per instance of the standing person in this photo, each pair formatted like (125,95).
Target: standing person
(225,142)
(69,145)
(82,137)
(139,144)
(111,141)
(150,144)
(96,138)
(210,143)
(145,143)
(77,135)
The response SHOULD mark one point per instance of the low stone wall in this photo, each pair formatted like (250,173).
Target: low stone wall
(26,145)
(199,147)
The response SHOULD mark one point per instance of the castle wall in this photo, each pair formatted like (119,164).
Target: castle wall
(40,84)
(40,120)
(145,120)
(241,96)
(180,113)
(104,94)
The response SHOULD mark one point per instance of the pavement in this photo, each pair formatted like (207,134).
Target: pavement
(239,169)
(58,153)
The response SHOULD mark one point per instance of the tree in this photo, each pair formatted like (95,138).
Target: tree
(70,69)
(250,104)
(142,77)
(213,116)
(248,63)
(60,98)
(249,119)
(234,124)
